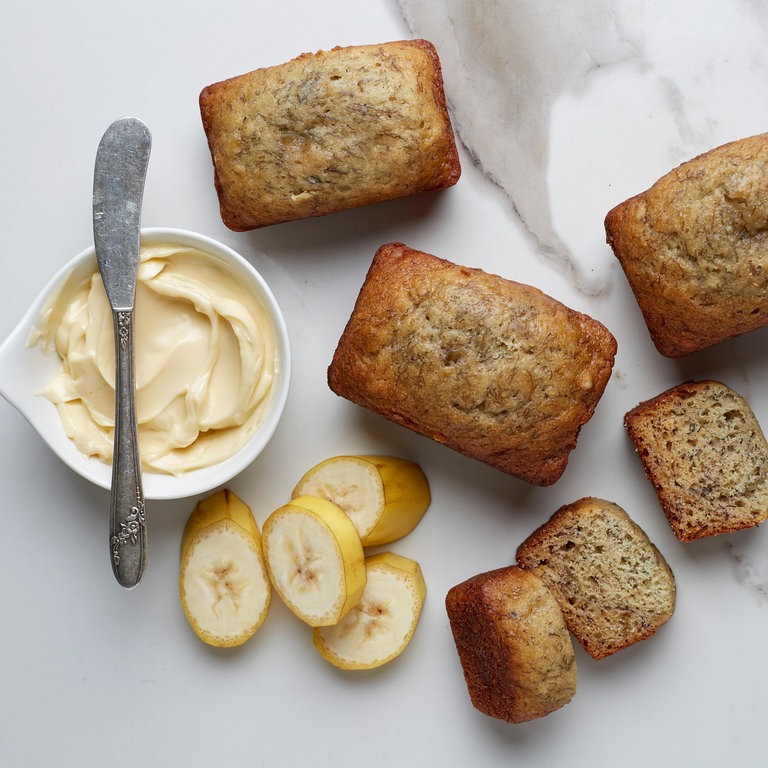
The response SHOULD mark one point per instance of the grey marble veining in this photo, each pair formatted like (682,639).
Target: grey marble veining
(504,64)
(748,556)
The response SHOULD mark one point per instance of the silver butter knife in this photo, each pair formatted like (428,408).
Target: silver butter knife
(118,189)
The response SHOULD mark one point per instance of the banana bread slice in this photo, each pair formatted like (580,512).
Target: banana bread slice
(612,584)
(494,369)
(694,247)
(513,645)
(706,456)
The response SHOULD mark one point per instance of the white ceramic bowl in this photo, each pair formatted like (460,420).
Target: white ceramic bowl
(24,371)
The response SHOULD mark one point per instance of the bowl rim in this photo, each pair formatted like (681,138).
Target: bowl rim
(43,415)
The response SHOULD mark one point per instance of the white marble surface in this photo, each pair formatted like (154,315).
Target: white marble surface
(563,111)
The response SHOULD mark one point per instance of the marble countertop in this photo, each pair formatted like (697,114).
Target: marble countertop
(562,110)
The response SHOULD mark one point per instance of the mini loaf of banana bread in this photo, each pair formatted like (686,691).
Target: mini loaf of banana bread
(612,584)
(694,248)
(328,131)
(706,456)
(513,645)
(494,369)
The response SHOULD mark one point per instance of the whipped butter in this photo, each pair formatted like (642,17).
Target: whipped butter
(205,360)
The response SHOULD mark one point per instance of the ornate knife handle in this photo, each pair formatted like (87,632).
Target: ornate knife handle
(127,532)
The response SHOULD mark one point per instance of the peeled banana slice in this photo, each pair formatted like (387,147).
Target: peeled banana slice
(223,582)
(382,624)
(315,559)
(384,496)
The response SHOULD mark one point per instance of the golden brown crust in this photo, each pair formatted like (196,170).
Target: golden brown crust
(612,584)
(493,369)
(328,131)
(694,247)
(513,645)
(705,454)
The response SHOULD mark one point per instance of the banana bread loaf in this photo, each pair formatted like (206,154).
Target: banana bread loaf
(694,248)
(705,454)
(513,645)
(328,131)
(494,369)
(612,584)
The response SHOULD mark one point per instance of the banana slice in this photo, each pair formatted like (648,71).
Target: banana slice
(382,624)
(315,559)
(223,583)
(384,496)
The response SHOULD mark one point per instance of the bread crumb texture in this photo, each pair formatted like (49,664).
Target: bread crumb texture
(328,131)
(514,648)
(494,369)
(694,247)
(612,584)
(706,455)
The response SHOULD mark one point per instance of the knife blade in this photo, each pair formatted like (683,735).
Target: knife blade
(118,189)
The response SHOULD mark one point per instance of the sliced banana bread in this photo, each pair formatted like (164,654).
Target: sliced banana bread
(612,584)
(705,454)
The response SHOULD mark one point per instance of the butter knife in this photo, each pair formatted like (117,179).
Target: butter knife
(118,189)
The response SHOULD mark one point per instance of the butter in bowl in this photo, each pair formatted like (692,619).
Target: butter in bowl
(212,365)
